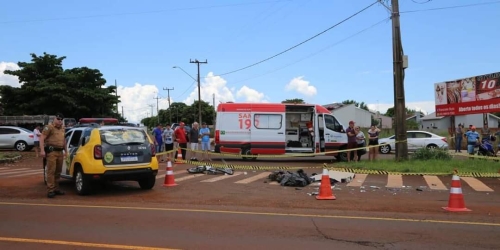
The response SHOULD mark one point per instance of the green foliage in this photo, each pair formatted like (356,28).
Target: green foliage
(294,100)
(179,111)
(47,88)
(390,111)
(361,105)
(431,154)
(411,125)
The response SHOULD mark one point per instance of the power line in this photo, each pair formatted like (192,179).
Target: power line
(424,2)
(317,52)
(195,81)
(301,43)
(141,12)
(451,7)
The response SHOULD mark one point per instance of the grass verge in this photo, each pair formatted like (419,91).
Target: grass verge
(428,166)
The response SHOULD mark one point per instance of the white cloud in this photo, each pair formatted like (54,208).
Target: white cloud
(218,86)
(299,85)
(9,79)
(210,86)
(250,95)
(425,106)
(135,101)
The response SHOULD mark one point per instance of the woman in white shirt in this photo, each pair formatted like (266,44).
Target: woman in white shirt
(360,139)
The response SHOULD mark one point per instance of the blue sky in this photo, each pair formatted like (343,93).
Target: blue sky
(138,43)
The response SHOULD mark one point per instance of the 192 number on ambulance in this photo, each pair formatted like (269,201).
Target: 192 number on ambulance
(245,121)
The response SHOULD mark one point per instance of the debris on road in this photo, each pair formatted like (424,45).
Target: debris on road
(298,179)
(339,176)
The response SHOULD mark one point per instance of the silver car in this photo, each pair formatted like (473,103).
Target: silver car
(16,138)
(416,139)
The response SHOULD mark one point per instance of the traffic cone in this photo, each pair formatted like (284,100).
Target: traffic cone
(178,160)
(456,201)
(325,189)
(169,176)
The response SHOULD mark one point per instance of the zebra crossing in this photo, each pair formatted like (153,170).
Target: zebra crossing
(436,183)
(12,172)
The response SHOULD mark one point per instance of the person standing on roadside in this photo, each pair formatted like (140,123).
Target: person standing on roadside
(168,138)
(36,139)
(194,135)
(472,139)
(158,138)
(373,133)
(53,148)
(205,141)
(459,134)
(351,142)
(180,138)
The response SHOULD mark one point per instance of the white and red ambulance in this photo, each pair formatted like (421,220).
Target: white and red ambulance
(276,129)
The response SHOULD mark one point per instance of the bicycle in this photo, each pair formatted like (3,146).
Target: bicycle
(210,170)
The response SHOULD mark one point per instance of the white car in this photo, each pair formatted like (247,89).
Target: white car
(416,139)
(17,138)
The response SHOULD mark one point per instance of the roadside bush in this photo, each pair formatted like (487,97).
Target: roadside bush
(431,154)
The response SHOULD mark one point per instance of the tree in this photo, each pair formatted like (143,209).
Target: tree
(390,111)
(294,100)
(47,88)
(182,112)
(361,105)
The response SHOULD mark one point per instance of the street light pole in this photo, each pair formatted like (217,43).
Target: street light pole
(199,87)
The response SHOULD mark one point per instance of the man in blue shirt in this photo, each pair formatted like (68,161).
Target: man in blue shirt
(472,139)
(157,135)
(205,141)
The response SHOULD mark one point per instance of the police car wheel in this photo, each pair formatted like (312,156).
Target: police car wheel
(148,182)
(82,183)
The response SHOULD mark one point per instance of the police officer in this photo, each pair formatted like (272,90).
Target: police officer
(53,148)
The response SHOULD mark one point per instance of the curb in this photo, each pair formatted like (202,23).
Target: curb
(9,160)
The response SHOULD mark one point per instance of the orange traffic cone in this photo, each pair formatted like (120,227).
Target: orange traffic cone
(325,189)
(169,176)
(178,161)
(456,202)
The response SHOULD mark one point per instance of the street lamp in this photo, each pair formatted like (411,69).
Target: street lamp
(199,89)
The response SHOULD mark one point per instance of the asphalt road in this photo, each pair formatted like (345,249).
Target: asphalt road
(75,227)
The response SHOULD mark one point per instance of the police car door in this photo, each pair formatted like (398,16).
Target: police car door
(72,144)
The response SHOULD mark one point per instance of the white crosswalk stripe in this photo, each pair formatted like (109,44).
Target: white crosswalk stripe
(434,183)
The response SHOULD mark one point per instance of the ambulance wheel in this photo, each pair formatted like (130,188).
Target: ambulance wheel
(342,156)
(247,151)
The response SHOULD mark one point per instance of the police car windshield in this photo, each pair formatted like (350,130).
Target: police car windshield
(123,136)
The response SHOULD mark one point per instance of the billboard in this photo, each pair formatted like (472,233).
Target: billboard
(472,95)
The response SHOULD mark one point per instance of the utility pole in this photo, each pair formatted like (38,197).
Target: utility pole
(122,113)
(199,88)
(151,106)
(157,109)
(169,109)
(399,93)
(215,110)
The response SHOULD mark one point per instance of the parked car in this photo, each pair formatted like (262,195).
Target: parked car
(108,153)
(416,139)
(17,138)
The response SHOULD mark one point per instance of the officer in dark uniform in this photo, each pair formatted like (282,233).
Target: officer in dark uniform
(53,148)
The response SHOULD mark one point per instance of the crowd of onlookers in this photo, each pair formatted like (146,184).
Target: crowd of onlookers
(356,142)
(168,139)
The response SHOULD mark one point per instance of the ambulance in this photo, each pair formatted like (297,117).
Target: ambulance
(278,129)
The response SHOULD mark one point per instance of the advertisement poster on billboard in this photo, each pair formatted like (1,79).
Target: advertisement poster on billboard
(472,95)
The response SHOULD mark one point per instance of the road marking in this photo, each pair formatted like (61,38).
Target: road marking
(24,173)
(394,181)
(81,244)
(358,180)
(162,175)
(221,177)
(3,168)
(191,176)
(274,183)
(476,184)
(257,213)
(253,178)
(16,171)
(434,182)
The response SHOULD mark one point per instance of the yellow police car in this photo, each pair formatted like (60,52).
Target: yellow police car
(109,153)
